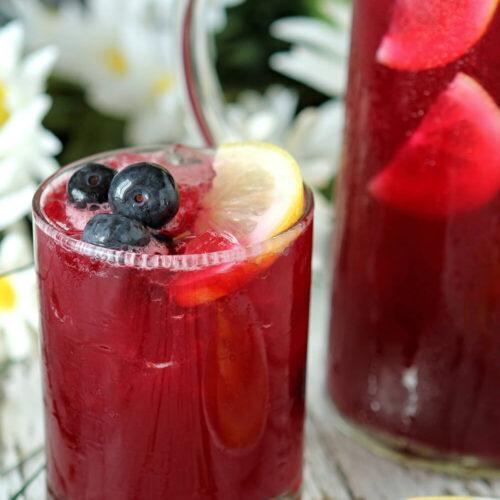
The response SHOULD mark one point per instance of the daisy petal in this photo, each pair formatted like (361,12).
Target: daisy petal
(16,248)
(23,122)
(13,175)
(322,73)
(37,67)
(312,32)
(11,44)
(16,337)
(15,205)
(49,142)
(340,13)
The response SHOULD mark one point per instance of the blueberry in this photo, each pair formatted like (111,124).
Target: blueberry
(115,231)
(145,192)
(90,184)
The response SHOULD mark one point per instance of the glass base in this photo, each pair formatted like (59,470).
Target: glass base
(408,452)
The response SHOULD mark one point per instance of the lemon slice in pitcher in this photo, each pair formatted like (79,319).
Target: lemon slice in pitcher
(257,192)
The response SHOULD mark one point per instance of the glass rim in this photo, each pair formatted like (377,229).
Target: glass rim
(184,262)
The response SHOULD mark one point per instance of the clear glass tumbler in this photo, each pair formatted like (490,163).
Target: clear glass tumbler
(171,376)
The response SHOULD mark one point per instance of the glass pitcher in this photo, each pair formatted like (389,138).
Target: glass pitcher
(414,365)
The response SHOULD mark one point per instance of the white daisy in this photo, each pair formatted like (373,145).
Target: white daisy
(18,297)
(314,137)
(114,51)
(264,117)
(26,148)
(319,53)
(123,54)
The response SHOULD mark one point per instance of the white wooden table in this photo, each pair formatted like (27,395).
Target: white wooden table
(336,468)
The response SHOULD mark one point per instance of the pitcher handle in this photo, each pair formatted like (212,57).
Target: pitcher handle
(201,87)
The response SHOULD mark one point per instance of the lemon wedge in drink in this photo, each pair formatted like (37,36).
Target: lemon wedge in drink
(257,192)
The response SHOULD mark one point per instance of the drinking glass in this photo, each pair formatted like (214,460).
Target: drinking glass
(152,388)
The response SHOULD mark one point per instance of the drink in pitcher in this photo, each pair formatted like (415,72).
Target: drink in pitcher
(415,341)
(174,287)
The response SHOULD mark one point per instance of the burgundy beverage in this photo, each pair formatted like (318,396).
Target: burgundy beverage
(415,345)
(174,369)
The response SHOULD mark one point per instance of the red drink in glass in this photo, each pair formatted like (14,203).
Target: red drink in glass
(152,389)
(415,346)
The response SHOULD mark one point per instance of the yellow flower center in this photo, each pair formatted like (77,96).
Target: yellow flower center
(4,111)
(7,295)
(163,84)
(115,61)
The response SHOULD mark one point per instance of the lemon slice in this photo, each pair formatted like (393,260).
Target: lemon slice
(257,192)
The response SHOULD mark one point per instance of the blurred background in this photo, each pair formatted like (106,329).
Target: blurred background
(83,76)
